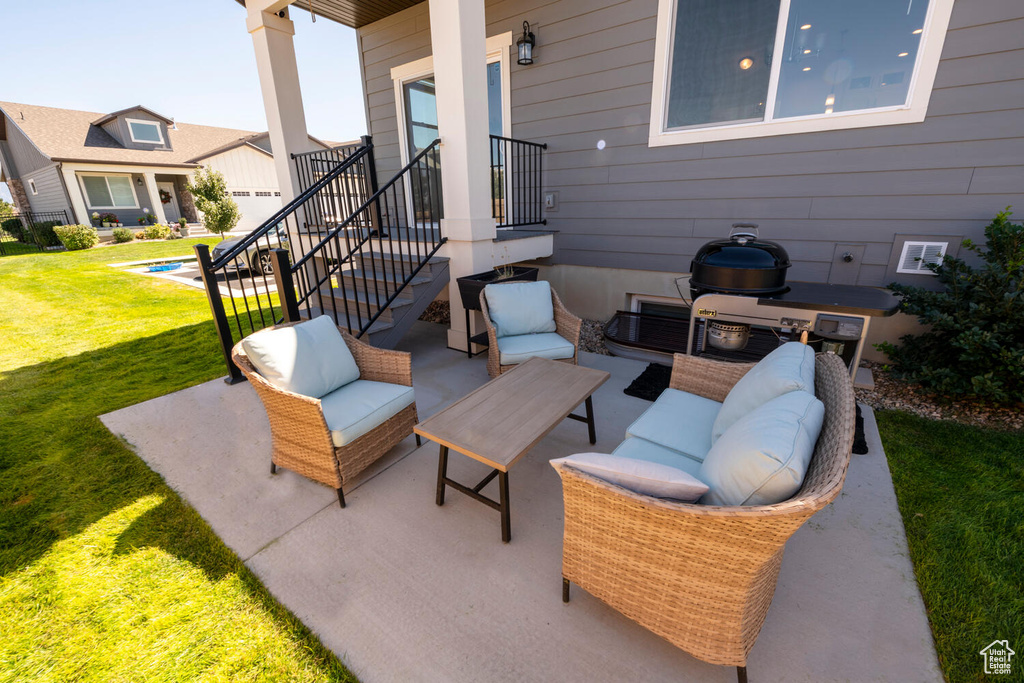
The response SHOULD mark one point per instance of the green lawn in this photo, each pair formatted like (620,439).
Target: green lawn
(105,574)
(961,494)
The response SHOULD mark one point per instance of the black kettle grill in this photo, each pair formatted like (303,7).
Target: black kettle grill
(741,264)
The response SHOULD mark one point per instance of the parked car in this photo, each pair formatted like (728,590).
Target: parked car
(257,257)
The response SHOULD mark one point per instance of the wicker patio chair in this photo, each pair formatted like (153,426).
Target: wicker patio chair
(300,437)
(567,326)
(700,576)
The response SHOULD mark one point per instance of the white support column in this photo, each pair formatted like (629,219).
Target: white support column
(458,35)
(156,206)
(272,38)
(78,208)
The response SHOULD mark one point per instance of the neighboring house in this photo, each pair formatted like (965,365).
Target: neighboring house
(858,135)
(127,161)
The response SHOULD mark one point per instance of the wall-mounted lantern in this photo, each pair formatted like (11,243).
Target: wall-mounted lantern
(525,45)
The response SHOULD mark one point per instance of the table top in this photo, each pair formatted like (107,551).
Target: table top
(505,418)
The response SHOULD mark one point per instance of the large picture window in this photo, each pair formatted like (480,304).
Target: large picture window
(109,191)
(727,69)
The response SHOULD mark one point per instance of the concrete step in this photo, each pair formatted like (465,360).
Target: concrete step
(364,302)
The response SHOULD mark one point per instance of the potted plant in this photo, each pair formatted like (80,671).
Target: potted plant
(183,227)
(109,220)
(96,219)
(470,286)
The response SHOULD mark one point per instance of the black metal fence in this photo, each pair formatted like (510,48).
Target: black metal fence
(516,182)
(343,247)
(30,231)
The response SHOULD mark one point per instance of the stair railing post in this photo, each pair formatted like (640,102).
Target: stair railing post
(376,217)
(285,285)
(220,318)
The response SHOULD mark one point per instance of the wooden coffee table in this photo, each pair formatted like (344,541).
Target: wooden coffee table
(499,422)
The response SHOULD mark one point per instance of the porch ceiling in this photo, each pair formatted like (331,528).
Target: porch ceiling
(353,13)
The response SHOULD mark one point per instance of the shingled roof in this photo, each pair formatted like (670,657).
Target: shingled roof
(70,135)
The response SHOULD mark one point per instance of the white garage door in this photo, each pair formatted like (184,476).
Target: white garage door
(256,207)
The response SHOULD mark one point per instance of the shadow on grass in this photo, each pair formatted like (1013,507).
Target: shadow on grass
(61,470)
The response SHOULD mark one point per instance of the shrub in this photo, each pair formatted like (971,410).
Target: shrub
(975,346)
(220,212)
(156,232)
(43,230)
(122,235)
(12,226)
(75,237)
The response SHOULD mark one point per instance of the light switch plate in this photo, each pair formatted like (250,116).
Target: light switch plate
(551,201)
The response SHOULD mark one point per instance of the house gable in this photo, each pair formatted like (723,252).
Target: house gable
(137,128)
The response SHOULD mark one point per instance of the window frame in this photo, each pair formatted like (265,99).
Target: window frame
(146,122)
(637,300)
(88,201)
(913,111)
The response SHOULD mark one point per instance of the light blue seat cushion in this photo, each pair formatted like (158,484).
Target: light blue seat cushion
(679,421)
(357,408)
(642,476)
(310,358)
(520,348)
(763,457)
(788,368)
(642,449)
(520,308)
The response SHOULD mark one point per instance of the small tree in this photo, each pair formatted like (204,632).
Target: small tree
(6,208)
(976,342)
(210,192)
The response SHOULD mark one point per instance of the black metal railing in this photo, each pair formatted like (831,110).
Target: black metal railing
(30,231)
(516,182)
(361,266)
(342,247)
(312,166)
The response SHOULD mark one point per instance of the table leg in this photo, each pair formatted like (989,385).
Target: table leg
(506,517)
(469,334)
(590,420)
(442,472)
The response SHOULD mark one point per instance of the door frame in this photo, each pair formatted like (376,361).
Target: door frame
(497,51)
(174,196)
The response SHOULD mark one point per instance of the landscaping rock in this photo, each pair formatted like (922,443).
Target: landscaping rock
(892,393)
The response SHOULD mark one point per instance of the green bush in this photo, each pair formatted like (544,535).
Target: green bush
(75,237)
(122,235)
(975,346)
(12,227)
(44,230)
(156,232)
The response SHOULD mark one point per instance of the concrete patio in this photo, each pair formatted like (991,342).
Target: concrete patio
(404,590)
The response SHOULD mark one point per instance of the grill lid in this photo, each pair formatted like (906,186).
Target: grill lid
(742,250)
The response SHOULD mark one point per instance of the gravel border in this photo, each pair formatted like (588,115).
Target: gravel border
(892,393)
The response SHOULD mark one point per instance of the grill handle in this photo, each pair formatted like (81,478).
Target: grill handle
(741,232)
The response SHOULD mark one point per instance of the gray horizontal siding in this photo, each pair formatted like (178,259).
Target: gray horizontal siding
(632,206)
(51,195)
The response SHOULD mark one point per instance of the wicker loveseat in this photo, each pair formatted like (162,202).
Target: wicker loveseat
(567,326)
(301,439)
(701,576)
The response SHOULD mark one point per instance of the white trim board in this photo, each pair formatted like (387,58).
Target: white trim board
(914,111)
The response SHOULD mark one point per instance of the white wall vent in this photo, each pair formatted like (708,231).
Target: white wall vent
(916,256)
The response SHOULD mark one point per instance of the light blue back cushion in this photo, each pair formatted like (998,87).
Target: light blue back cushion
(520,308)
(788,368)
(763,457)
(310,358)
